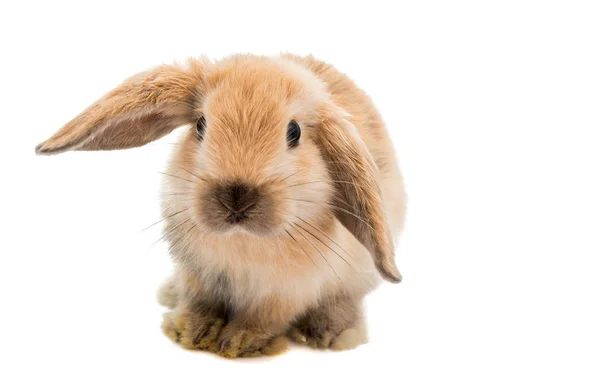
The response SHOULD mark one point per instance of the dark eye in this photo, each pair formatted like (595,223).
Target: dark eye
(293,134)
(200,126)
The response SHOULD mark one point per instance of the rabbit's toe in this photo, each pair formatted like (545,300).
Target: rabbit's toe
(241,342)
(192,331)
(312,337)
(324,338)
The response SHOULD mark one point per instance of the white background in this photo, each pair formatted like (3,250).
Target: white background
(494,108)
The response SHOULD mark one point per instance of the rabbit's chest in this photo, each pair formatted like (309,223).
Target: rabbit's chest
(299,271)
(250,281)
(244,271)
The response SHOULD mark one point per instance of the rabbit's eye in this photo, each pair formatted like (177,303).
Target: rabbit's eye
(200,126)
(293,134)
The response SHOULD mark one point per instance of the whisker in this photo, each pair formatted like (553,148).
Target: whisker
(297,172)
(175,176)
(287,177)
(302,248)
(194,175)
(166,217)
(331,181)
(324,234)
(302,184)
(339,200)
(179,239)
(322,242)
(342,164)
(330,204)
(335,208)
(320,253)
(187,200)
(171,230)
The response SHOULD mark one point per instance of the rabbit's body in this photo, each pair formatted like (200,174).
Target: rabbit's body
(269,238)
(273,285)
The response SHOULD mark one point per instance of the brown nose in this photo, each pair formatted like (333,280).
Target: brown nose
(238,199)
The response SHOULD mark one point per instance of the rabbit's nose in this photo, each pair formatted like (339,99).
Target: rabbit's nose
(238,199)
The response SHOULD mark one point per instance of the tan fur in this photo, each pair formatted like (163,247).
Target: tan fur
(351,337)
(322,225)
(168,293)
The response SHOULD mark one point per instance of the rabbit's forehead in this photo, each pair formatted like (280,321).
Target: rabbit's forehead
(250,100)
(233,103)
(262,91)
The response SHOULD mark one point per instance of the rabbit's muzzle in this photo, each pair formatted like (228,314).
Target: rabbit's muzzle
(238,205)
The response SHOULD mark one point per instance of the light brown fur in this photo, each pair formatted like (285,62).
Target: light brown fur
(321,230)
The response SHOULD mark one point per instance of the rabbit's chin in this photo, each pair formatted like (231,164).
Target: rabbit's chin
(249,228)
(244,230)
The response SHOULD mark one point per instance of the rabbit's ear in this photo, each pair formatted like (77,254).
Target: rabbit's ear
(142,109)
(358,201)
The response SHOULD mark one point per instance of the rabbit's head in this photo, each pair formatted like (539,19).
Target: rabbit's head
(266,147)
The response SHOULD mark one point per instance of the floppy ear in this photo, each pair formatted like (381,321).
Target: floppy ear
(142,109)
(358,203)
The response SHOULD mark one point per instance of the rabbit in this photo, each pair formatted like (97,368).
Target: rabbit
(282,199)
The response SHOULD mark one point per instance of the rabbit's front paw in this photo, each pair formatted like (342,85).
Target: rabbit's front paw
(335,324)
(192,330)
(314,337)
(236,341)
